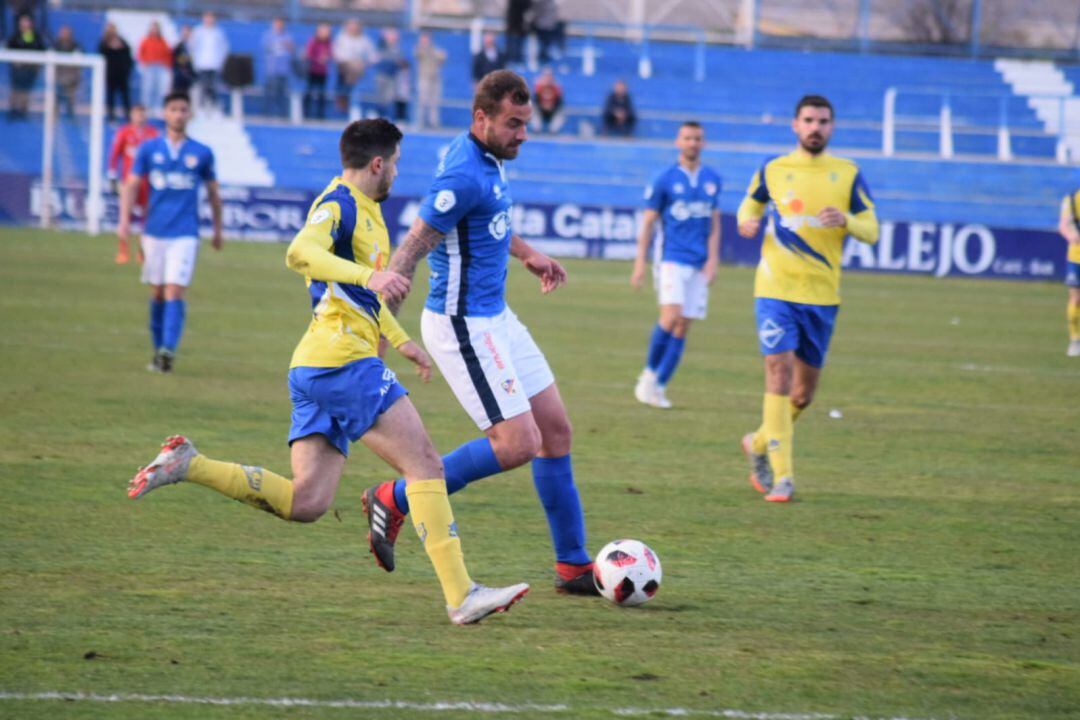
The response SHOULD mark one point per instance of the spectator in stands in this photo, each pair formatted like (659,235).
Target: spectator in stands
(353,53)
(183,68)
(317,54)
(550,29)
(23,76)
(489,59)
(548,96)
(209,47)
(516,11)
(386,71)
(279,49)
(403,90)
(118,64)
(68,77)
(619,117)
(155,68)
(429,61)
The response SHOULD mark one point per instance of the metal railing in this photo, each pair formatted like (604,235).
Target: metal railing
(946,124)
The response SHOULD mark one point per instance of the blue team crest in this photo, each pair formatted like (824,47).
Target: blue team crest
(191,161)
(508,386)
(710,188)
(158,157)
(678,188)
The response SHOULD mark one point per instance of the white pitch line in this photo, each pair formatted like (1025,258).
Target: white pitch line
(482,707)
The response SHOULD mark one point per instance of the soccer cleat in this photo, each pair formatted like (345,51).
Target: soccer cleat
(783,492)
(170,466)
(1074,349)
(384,522)
(761,475)
(646,386)
(155,363)
(165,361)
(483,601)
(582,584)
(660,399)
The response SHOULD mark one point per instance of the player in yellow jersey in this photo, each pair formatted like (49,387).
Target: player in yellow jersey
(340,389)
(1069,226)
(813,201)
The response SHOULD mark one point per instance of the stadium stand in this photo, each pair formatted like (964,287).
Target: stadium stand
(744,103)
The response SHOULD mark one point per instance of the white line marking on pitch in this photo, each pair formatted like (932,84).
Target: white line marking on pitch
(484,707)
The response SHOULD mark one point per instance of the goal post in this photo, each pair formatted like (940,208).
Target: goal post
(41,107)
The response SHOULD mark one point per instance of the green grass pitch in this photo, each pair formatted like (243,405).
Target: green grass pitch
(931,569)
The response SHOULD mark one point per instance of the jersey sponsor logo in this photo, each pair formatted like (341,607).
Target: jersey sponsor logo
(445,200)
(171,180)
(499,225)
(388,378)
(489,343)
(320,216)
(682,210)
(794,222)
(770,333)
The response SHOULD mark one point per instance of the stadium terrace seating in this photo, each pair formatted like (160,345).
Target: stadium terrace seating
(744,103)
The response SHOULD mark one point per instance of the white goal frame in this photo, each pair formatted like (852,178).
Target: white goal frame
(50,59)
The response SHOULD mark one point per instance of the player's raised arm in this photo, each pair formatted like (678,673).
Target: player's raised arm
(648,227)
(550,271)
(310,254)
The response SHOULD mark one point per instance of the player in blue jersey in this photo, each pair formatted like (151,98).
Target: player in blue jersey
(685,198)
(176,167)
(494,367)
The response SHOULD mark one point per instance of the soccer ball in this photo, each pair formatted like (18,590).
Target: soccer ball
(627,572)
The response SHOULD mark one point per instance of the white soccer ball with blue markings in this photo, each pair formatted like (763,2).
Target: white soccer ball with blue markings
(627,572)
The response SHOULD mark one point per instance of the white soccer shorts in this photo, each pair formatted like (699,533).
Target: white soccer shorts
(685,285)
(169,262)
(492,363)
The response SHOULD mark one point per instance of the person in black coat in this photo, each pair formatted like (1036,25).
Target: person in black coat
(184,74)
(516,10)
(118,64)
(23,76)
(619,116)
(489,59)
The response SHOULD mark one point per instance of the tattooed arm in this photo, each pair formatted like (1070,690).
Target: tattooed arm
(420,240)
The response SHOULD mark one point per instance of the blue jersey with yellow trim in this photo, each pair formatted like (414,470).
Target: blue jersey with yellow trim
(800,259)
(470,203)
(685,202)
(345,317)
(174,175)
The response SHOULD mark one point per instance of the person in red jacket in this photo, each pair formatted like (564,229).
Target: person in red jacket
(155,68)
(125,144)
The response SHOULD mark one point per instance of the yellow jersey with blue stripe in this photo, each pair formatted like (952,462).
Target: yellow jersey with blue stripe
(1071,207)
(800,259)
(342,243)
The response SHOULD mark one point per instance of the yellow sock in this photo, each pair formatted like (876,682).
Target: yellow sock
(779,431)
(433,519)
(1073,314)
(759,444)
(255,486)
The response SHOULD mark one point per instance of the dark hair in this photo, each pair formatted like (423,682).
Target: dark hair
(814,101)
(691,124)
(364,140)
(176,95)
(496,86)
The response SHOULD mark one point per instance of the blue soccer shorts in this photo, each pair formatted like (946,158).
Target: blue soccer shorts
(341,403)
(1072,274)
(806,329)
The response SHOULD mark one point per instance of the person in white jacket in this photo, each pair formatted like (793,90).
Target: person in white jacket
(353,52)
(209,48)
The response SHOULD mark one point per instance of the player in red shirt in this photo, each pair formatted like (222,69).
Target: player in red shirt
(125,144)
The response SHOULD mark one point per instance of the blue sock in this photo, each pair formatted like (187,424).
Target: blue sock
(670,361)
(157,319)
(658,344)
(474,460)
(554,480)
(172,326)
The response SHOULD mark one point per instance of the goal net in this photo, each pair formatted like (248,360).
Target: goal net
(52,132)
